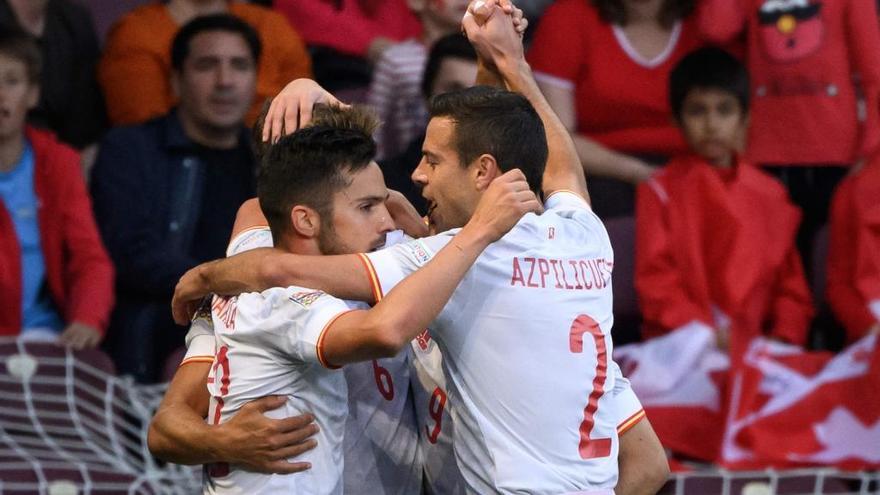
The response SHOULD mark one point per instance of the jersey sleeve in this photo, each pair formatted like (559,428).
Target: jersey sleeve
(253,238)
(387,267)
(305,316)
(200,345)
(627,407)
(564,199)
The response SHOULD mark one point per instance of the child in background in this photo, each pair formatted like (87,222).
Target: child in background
(715,237)
(55,276)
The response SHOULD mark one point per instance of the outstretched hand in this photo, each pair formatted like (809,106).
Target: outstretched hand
(291,109)
(506,200)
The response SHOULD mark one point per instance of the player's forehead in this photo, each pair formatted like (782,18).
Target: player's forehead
(365,184)
(439,137)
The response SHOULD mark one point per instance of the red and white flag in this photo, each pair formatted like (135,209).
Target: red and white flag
(782,406)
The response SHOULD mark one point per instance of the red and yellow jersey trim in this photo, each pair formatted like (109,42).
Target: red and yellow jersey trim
(630,422)
(197,359)
(320,345)
(373,276)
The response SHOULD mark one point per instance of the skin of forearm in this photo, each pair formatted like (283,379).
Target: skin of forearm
(410,307)
(178,434)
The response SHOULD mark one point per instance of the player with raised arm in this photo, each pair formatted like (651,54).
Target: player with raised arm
(277,341)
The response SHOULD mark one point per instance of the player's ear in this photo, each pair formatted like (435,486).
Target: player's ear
(485,171)
(306,222)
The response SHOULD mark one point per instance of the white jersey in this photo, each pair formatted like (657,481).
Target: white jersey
(527,352)
(380,445)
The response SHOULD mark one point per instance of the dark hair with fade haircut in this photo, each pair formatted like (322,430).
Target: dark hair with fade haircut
(18,45)
(499,123)
(180,47)
(454,45)
(708,68)
(310,165)
(614,11)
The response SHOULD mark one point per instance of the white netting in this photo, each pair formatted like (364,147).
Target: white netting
(68,426)
(770,482)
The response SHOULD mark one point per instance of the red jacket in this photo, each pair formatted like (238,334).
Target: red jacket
(707,237)
(802,59)
(853,271)
(78,270)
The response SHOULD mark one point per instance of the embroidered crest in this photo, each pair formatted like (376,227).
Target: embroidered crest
(305,299)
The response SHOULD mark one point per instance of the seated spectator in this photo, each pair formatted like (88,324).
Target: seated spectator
(55,277)
(394,91)
(802,55)
(604,67)
(71,104)
(135,70)
(166,192)
(715,237)
(853,277)
(452,65)
(360,28)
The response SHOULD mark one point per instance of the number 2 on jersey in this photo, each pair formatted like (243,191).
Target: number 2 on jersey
(591,448)
(221,365)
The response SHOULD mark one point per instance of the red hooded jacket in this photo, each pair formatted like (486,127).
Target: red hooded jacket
(78,271)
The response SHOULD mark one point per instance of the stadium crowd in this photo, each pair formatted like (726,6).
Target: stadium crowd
(732,149)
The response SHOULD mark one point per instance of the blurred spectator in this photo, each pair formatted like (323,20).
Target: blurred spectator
(802,55)
(55,277)
(135,70)
(452,65)
(715,236)
(394,92)
(166,192)
(604,67)
(853,288)
(70,103)
(362,28)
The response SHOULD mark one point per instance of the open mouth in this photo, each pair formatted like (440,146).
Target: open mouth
(4,112)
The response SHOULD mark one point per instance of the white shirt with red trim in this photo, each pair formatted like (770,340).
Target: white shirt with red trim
(380,446)
(527,349)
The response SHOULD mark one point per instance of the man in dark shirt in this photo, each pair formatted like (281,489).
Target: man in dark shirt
(166,192)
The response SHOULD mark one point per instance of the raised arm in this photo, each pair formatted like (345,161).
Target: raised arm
(492,33)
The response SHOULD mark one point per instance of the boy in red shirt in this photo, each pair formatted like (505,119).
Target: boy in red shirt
(715,238)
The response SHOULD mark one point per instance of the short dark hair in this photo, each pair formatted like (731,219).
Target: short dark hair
(18,45)
(308,166)
(207,23)
(499,123)
(708,68)
(614,12)
(453,45)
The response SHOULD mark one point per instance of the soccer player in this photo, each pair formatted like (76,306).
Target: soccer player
(323,194)
(548,426)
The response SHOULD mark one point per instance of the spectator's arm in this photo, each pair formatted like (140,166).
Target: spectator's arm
(87,268)
(134,77)
(663,299)
(722,21)
(125,214)
(596,159)
(863,43)
(841,292)
(792,304)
